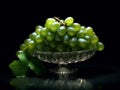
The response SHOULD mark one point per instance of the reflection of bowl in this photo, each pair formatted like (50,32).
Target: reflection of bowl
(64,57)
(26,83)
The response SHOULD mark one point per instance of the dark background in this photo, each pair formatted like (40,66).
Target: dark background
(18,20)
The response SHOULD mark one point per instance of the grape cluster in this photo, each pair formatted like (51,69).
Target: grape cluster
(61,36)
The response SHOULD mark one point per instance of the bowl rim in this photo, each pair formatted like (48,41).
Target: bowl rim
(65,52)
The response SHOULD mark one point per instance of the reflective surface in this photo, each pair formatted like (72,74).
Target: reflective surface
(90,77)
(50,84)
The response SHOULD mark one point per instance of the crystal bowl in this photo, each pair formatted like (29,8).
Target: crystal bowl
(62,59)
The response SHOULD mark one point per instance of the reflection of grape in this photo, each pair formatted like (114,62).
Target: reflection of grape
(62,35)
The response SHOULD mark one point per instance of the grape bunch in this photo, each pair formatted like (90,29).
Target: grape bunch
(59,35)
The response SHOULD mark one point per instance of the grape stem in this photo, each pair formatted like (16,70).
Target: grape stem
(57,19)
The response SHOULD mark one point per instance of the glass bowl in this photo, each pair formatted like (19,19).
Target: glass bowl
(62,59)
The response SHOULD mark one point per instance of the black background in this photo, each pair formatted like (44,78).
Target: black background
(18,20)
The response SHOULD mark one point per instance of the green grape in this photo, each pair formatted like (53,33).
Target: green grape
(50,36)
(82,43)
(33,35)
(44,32)
(89,31)
(31,44)
(26,41)
(53,44)
(81,34)
(87,37)
(60,47)
(73,42)
(19,52)
(38,31)
(66,39)
(69,21)
(40,46)
(94,39)
(54,26)
(61,31)
(23,47)
(31,47)
(38,27)
(76,26)
(58,38)
(49,22)
(100,46)
(71,31)
(82,28)
(39,39)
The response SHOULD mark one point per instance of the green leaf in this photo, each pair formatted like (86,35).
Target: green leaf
(18,68)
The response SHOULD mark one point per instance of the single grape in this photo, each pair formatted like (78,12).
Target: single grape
(38,27)
(88,38)
(66,39)
(31,44)
(76,26)
(69,21)
(19,52)
(54,26)
(50,36)
(23,47)
(80,34)
(26,41)
(82,27)
(82,43)
(73,42)
(89,31)
(33,35)
(94,39)
(49,22)
(44,32)
(38,31)
(61,31)
(39,39)
(100,46)
(71,31)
